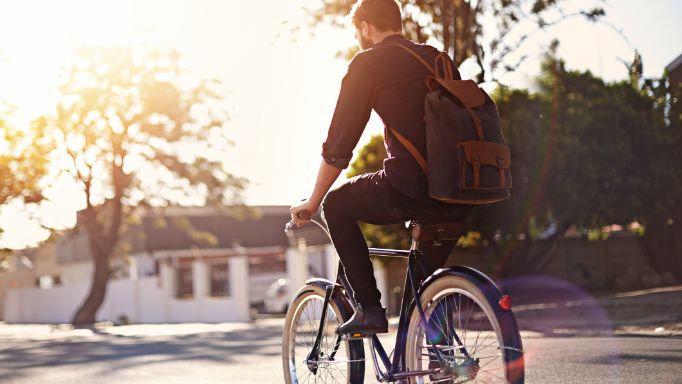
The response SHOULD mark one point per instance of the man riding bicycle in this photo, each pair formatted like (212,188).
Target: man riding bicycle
(384,79)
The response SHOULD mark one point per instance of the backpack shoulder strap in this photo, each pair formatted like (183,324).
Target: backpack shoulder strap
(443,59)
(410,148)
(416,56)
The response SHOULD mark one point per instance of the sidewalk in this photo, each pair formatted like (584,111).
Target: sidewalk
(546,308)
(58,331)
(648,312)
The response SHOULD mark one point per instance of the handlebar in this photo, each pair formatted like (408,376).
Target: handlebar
(304,215)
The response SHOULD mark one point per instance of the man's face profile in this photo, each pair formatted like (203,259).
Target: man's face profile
(363,40)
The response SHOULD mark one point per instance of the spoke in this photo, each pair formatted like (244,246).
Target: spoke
(438,325)
(470,306)
(306,376)
(486,364)
(306,325)
(449,323)
(477,336)
(488,357)
(488,372)
(484,340)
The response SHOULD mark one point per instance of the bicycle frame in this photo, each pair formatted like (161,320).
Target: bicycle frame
(394,369)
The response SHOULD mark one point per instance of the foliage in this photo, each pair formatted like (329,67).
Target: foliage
(459,26)
(23,165)
(579,148)
(585,154)
(22,159)
(134,136)
(662,216)
(370,159)
(5,256)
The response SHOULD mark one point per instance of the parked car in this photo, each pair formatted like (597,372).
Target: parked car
(276,299)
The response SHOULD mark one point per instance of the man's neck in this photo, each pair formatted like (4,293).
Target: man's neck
(380,36)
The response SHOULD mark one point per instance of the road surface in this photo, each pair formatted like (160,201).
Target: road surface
(250,353)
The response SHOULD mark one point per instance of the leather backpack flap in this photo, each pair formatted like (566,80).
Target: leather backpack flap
(466,91)
(485,165)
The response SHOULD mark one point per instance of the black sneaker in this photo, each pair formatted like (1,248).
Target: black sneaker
(365,320)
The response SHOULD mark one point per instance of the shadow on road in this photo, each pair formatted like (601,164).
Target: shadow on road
(115,352)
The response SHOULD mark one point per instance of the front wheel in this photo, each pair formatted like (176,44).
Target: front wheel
(477,343)
(337,361)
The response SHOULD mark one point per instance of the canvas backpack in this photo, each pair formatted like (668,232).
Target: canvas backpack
(467,161)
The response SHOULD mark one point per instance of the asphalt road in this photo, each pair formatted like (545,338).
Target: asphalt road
(252,355)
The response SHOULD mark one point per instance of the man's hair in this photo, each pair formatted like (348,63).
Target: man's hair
(383,14)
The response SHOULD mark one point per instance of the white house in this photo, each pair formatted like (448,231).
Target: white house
(176,265)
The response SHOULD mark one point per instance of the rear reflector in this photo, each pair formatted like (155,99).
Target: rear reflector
(505,302)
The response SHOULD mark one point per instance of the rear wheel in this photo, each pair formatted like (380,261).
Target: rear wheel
(337,361)
(457,309)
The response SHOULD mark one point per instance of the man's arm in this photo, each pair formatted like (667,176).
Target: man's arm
(326,176)
(350,117)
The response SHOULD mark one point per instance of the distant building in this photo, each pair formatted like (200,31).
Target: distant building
(675,73)
(178,265)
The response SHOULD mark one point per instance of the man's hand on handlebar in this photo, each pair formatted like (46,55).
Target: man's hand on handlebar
(302,212)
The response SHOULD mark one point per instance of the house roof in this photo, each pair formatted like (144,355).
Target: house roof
(180,228)
(261,227)
(674,64)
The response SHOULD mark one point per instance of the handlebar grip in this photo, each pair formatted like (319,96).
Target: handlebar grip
(304,215)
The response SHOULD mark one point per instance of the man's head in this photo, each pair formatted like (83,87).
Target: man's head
(375,19)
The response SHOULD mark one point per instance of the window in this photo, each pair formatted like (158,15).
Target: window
(267,264)
(47,281)
(220,279)
(184,282)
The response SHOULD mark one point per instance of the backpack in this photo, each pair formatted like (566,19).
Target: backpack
(466,161)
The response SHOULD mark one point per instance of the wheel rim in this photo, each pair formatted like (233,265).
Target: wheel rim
(475,325)
(304,327)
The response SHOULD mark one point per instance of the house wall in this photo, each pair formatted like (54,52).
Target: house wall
(302,263)
(76,272)
(16,276)
(141,300)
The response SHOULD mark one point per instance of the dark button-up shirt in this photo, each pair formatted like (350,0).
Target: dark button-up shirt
(389,80)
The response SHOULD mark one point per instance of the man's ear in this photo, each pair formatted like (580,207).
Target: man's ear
(364,27)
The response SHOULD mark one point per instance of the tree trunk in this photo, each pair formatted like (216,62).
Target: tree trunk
(662,245)
(102,225)
(98,289)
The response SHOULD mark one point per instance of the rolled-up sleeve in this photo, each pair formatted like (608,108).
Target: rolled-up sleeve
(352,112)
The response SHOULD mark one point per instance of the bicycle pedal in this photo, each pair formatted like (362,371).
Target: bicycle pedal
(355,336)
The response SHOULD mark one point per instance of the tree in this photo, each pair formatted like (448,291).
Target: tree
(459,26)
(586,154)
(23,164)
(662,213)
(22,160)
(133,136)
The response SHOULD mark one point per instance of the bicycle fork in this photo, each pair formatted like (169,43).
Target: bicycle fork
(313,357)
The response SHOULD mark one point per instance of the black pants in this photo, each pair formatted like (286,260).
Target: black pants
(372,199)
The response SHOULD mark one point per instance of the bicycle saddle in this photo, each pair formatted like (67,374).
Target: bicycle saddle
(436,231)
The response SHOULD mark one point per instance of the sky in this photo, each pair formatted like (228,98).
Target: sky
(279,86)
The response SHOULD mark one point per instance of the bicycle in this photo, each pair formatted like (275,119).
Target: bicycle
(435,343)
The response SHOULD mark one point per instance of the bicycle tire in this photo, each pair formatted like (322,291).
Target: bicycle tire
(501,356)
(350,351)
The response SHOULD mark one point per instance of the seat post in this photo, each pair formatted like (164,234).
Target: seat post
(415,245)
(416,233)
